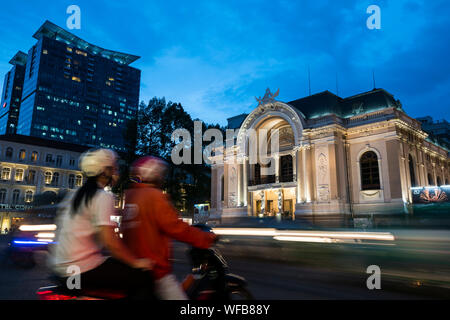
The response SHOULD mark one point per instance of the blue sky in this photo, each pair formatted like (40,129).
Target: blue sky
(215,56)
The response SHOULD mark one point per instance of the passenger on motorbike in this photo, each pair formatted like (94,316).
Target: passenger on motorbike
(85,230)
(150,222)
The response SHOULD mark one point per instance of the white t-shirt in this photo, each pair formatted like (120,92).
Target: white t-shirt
(77,234)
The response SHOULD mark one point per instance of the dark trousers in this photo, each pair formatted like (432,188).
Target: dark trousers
(116,275)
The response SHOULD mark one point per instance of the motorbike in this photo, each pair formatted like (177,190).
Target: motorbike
(210,279)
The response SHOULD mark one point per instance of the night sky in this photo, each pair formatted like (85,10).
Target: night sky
(215,56)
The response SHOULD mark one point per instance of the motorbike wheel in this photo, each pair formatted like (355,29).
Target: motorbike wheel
(240,294)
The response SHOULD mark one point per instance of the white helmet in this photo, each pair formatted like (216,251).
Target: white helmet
(94,162)
(149,169)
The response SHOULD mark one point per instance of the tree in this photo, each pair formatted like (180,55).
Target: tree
(151,134)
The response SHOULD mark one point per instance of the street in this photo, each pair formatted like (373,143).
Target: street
(267,280)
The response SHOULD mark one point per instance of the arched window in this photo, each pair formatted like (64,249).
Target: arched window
(49,158)
(370,175)
(15,197)
(22,155)
(71,181)
(48,177)
(55,179)
(31,176)
(9,153)
(28,196)
(34,156)
(411,171)
(6,173)
(286,172)
(257,174)
(430,180)
(3,196)
(19,175)
(438,181)
(79,180)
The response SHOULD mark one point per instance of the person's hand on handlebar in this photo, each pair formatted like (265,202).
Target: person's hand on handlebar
(143,264)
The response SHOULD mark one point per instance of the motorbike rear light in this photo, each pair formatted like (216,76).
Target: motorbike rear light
(50,295)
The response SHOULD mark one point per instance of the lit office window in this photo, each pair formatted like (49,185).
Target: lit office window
(19,175)
(44,51)
(81,53)
(76,79)
(6,173)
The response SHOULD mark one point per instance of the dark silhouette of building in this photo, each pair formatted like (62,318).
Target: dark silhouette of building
(12,94)
(439,130)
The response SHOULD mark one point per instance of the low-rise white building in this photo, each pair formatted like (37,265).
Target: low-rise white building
(32,166)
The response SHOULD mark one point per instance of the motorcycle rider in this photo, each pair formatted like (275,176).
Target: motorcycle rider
(150,222)
(85,230)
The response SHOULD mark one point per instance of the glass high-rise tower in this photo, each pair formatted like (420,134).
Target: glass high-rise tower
(77,92)
(12,93)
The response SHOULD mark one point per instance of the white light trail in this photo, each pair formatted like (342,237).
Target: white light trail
(38,227)
(306,236)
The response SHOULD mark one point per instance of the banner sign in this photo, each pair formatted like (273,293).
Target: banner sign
(425,195)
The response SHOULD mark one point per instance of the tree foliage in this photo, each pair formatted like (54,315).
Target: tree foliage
(151,134)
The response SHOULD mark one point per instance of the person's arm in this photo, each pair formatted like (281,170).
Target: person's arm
(169,222)
(119,250)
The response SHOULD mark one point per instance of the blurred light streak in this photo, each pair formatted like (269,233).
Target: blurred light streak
(307,236)
(267,232)
(304,239)
(38,227)
(45,235)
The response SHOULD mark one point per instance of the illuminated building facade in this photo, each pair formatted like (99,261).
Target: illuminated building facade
(33,167)
(355,155)
(76,92)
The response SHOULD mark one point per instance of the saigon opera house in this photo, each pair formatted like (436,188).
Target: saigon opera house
(337,156)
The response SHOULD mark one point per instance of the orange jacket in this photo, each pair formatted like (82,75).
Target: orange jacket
(149,223)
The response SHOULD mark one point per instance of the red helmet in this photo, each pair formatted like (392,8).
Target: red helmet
(149,169)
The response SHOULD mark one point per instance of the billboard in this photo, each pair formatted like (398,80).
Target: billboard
(424,195)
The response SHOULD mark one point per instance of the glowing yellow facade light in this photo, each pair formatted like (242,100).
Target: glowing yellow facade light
(38,227)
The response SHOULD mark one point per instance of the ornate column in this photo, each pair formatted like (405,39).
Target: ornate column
(244,176)
(277,167)
(263,202)
(280,200)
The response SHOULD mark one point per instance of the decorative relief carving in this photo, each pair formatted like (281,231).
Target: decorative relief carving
(232,200)
(322,167)
(324,193)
